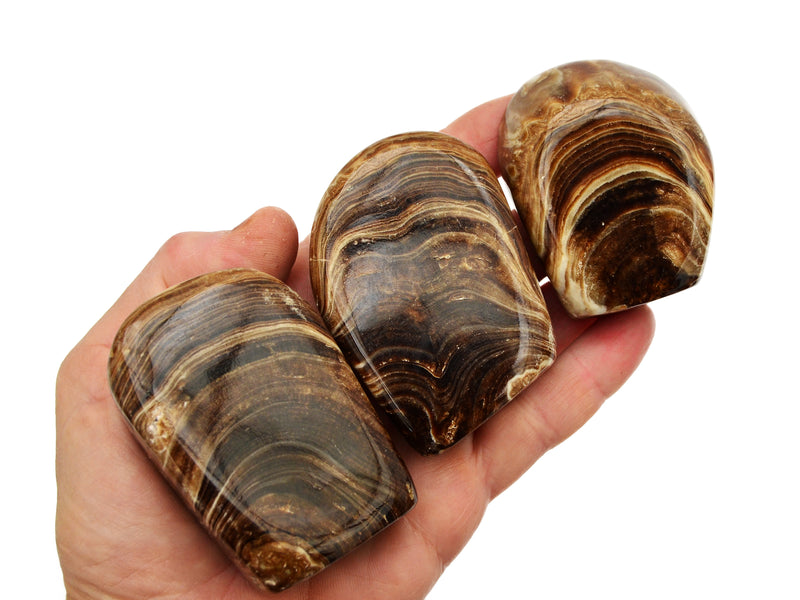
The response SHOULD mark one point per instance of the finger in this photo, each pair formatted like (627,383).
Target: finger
(299,279)
(266,241)
(536,262)
(565,328)
(588,370)
(480,128)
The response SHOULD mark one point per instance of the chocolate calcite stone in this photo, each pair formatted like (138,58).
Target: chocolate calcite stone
(238,393)
(613,178)
(422,276)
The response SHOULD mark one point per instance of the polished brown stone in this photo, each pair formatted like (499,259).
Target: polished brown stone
(422,276)
(236,390)
(613,178)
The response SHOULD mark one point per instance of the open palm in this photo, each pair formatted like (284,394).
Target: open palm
(123,533)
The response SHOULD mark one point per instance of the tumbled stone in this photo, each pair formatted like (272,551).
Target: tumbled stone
(240,396)
(613,178)
(422,276)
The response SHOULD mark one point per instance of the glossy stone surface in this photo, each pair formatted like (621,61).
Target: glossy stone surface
(238,393)
(422,276)
(613,178)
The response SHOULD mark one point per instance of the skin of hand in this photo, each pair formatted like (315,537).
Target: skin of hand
(122,532)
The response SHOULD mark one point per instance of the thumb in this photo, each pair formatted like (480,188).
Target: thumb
(266,241)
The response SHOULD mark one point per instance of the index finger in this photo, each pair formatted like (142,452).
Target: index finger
(480,128)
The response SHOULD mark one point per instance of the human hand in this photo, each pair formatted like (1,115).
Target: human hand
(123,533)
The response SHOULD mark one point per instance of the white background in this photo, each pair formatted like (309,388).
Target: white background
(123,123)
